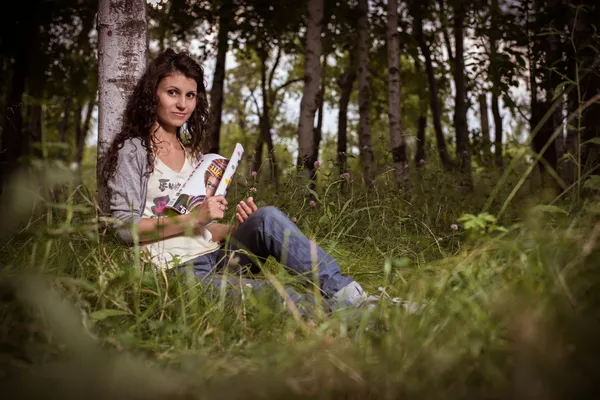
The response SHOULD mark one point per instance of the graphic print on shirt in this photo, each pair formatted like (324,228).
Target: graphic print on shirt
(159,205)
(164,184)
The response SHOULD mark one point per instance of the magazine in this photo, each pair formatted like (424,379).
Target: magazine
(211,177)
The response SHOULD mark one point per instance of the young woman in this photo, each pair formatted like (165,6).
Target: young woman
(151,157)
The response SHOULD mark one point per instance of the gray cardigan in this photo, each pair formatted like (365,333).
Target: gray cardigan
(128,188)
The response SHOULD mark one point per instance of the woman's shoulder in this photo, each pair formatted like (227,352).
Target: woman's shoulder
(133,146)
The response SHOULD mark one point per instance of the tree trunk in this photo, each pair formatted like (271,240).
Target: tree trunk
(394,102)
(33,134)
(83,131)
(420,155)
(588,42)
(498,140)
(65,127)
(265,121)
(312,79)
(122,55)
(12,131)
(318,131)
(460,109)
(364,136)
(436,113)
(485,129)
(258,153)
(346,82)
(495,75)
(216,92)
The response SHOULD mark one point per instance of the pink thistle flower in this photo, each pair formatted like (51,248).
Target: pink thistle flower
(346,175)
(294,219)
(317,164)
(421,162)
(454,227)
(253,173)
(312,203)
(253,189)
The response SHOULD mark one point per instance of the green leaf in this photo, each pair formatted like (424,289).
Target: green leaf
(550,209)
(593,183)
(314,194)
(105,313)
(324,220)
(559,88)
(595,140)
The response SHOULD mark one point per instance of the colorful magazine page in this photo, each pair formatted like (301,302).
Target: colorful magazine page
(212,176)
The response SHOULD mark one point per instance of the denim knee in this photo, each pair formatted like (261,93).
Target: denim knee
(268,213)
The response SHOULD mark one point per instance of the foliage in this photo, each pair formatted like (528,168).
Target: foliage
(79,308)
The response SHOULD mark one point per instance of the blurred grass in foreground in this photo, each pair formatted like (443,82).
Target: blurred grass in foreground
(511,313)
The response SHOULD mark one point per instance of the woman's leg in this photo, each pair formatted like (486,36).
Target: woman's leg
(211,270)
(269,232)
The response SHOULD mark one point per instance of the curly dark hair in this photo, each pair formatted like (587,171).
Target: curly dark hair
(140,113)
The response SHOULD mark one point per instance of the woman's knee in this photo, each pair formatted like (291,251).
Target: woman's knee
(269,213)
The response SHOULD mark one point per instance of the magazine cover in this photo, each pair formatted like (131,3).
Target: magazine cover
(211,177)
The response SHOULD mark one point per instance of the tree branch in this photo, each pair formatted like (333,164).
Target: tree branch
(290,82)
(275,65)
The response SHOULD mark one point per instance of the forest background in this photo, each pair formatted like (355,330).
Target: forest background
(444,151)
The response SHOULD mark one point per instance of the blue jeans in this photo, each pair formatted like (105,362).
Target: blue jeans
(269,232)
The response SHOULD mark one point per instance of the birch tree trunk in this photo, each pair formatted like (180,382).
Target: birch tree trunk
(312,80)
(364,136)
(460,109)
(394,112)
(122,56)
(485,128)
(216,92)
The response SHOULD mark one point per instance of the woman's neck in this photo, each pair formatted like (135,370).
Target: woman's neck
(165,135)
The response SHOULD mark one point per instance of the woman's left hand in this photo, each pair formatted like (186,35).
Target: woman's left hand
(245,209)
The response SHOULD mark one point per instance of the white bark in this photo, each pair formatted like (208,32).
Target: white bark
(312,80)
(395,123)
(122,57)
(364,125)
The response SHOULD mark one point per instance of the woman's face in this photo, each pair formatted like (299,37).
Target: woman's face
(176,100)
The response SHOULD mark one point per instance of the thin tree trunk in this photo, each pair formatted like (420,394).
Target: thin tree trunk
(346,82)
(498,139)
(436,113)
(444,23)
(312,79)
(265,121)
(83,131)
(65,127)
(460,111)
(258,153)
(394,101)
(364,136)
(318,131)
(495,75)
(485,129)
(12,130)
(122,55)
(33,134)
(420,155)
(216,92)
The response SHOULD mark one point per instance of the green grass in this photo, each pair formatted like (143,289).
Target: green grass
(510,314)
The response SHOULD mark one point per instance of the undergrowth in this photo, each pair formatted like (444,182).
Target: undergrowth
(511,304)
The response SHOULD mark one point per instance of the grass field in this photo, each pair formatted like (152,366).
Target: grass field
(512,304)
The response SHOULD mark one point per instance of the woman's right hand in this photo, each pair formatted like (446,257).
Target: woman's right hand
(213,208)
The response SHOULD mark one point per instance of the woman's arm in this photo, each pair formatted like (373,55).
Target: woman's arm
(219,232)
(156,229)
